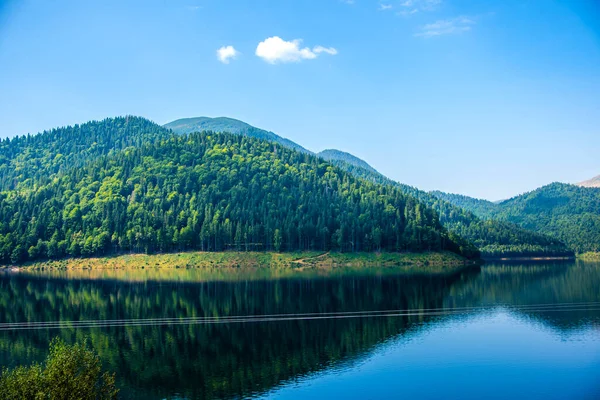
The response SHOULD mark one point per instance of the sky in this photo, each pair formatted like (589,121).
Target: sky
(484,98)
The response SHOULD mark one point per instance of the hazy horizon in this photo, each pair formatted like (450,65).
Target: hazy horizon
(487,100)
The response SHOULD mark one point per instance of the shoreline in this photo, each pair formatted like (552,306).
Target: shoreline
(525,258)
(257,260)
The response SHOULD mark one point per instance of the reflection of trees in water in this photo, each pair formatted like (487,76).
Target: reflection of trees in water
(522,284)
(233,360)
(217,360)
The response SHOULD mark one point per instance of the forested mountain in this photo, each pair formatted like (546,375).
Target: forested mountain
(594,182)
(493,238)
(36,158)
(223,124)
(204,191)
(477,206)
(41,174)
(569,213)
(337,155)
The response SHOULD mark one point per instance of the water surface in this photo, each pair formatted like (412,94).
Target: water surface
(499,331)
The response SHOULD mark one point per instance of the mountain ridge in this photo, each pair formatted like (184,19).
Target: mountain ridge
(568,212)
(231,125)
(594,182)
(493,237)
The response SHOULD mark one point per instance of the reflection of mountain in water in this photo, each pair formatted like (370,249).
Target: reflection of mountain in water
(217,360)
(555,283)
(233,360)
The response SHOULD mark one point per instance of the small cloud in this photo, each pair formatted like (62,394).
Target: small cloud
(405,13)
(446,27)
(227,53)
(329,50)
(194,8)
(414,6)
(384,7)
(276,50)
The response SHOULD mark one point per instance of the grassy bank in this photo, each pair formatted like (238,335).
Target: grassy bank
(589,256)
(299,260)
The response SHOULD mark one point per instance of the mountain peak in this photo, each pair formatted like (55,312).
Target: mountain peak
(231,125)
(594,182)
(338,155)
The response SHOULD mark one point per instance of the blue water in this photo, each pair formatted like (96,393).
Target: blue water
(493,355)
(501,331)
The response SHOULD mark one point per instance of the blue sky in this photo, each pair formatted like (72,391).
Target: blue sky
(485,98)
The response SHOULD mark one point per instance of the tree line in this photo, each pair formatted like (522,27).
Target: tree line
(203,191)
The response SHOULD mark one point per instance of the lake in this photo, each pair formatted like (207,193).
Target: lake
(492,332)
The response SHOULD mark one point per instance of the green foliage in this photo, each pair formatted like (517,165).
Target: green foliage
(203,191)
(568,213)
(69,372)
(492,237)
(30,161)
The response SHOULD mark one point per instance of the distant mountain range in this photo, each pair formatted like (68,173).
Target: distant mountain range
(128,184)
(594,182)
(477,221)
(567,212)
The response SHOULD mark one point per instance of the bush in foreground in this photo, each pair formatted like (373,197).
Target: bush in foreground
(69,372)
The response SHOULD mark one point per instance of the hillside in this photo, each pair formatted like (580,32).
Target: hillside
(208,192)
(569,213)
(477,206)
(493,238)
(594,182)
(31,158)
(337,155)
(223,124)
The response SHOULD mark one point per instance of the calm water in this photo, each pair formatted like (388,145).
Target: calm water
(499,331)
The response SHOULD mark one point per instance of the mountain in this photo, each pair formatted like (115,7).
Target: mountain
(207,191)
(567,212)
(27,159)
(594,182)
(223,124)
(32,162)
(477,206)
(337,155)
(493,238)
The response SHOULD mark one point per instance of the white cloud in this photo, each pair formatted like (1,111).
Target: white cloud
(227,53)
(414,6)
(405,13)
(384,7)
(329,50)
(275,50)
(446,27)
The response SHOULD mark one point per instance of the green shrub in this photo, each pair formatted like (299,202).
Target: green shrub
(69,372)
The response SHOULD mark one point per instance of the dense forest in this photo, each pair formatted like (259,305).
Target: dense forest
(492,237)
(463,216)
(34,159)
(203,191)
(569,213)
(127,184)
